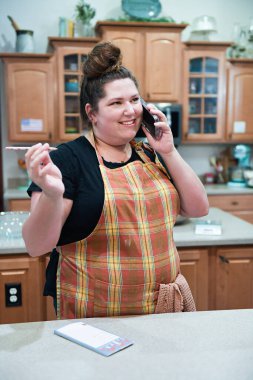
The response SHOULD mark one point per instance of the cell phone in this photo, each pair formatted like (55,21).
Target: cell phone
(148,120)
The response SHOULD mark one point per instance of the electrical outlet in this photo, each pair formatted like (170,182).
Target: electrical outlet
(13,295)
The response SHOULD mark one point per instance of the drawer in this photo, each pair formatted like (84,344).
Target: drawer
(244,215)
(19,204)
(231,202)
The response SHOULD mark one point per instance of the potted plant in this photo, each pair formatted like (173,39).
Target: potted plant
(84,13)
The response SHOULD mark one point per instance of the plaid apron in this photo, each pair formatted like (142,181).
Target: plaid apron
(118,268)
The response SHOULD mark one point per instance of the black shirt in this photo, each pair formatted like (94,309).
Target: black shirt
(78,163)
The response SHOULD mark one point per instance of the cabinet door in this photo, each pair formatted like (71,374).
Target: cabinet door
(30,98)
(131,44)
(20,276)
(240,101)
(163,66)
(194,267)
(69,64)
(234,278)
(204,101)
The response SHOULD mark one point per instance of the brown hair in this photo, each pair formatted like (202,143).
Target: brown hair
(103,65)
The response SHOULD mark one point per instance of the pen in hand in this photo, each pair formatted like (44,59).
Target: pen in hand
(25,148)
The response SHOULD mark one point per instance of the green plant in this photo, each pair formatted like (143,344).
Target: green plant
(84,12)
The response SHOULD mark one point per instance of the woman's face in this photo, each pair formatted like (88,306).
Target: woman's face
(119,113)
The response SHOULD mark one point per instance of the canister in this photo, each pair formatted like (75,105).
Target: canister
(24,41)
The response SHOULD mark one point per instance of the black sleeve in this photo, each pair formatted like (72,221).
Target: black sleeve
(64,160)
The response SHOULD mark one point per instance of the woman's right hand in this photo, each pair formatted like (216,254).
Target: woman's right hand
(43,171)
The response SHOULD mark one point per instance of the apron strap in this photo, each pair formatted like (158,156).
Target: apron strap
(140,146)
(90,137)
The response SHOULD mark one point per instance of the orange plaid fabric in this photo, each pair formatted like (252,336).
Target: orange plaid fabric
(118,268)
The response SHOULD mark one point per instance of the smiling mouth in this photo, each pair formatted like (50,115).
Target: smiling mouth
(129,122)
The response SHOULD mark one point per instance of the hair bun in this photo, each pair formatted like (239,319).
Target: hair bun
(104,58)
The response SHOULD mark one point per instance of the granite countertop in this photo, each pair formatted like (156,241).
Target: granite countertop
(210,189)
(234,232)
(227,190)
(201,345)
(16,194)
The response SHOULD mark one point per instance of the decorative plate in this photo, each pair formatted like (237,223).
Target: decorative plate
(142,9)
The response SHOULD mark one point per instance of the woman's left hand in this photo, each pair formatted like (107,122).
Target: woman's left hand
(164,144)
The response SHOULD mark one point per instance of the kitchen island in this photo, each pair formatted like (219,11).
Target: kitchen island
(218,268)
(199,345)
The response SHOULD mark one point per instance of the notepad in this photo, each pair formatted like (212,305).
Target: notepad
(208,227)
(93,338)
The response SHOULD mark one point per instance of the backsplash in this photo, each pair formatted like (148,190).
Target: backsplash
(197,156)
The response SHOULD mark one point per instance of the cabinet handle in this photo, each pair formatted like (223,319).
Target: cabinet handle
(224,259)
(235,203)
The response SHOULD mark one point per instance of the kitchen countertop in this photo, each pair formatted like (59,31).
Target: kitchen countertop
(16,194)
(234,232)
(227,190)
(210,189)
(200,345)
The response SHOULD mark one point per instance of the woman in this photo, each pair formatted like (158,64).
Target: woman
(107,203)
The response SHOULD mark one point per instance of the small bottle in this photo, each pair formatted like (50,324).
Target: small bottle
(62,27)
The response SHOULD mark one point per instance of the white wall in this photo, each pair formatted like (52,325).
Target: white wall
(42,17)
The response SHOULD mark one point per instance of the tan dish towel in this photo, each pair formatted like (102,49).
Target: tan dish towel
(175,297)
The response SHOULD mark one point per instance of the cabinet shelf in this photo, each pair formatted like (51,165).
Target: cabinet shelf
(202,95)
(71,93)
(72,114)
(204,75)
(70,58)
(201,115)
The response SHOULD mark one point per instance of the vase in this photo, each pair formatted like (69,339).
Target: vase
(83,29)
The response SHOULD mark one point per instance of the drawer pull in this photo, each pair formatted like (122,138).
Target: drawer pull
(224,259)
(235,203)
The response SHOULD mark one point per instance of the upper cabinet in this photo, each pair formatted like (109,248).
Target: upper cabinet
(70,54)
(240,100)
(42,90)
(152,51)
(204,91)
(29,89)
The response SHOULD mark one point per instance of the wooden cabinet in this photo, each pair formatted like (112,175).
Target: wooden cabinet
(240,100)
(153,52)
(204,91)
(234,278)
(219,278)
(240,205)
(29,88)
(19,205)
(20,289)
(70,54)
(194,267)
(23,277)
